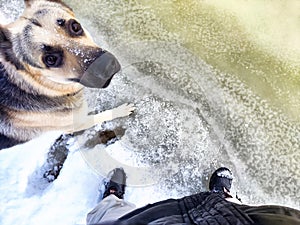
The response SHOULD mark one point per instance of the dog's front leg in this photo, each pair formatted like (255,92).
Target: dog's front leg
(92,120)
(121,111)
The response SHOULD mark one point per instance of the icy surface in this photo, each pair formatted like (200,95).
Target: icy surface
(208,92)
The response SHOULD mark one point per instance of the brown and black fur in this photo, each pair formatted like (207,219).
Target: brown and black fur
(43,57)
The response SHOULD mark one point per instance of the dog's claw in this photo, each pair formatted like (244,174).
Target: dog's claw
(123,110)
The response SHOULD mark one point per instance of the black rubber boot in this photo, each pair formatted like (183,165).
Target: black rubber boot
(220,179)
(116,184)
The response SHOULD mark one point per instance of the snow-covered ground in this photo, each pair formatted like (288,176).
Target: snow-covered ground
(25,199)
(65,201)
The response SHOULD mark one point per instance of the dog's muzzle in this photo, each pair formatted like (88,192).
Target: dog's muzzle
(101,71)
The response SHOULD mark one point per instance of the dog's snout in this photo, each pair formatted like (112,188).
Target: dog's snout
(100,72)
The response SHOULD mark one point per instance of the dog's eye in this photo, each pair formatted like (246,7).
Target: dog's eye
(52,60)
(75,28)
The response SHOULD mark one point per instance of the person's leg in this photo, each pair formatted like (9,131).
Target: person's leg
(110,208)
(152,213)
(99,211)
(112,205)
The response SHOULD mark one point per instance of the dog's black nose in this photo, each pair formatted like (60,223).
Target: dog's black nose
(101,71)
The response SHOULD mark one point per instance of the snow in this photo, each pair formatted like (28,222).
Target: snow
(225,173)
(26,200)
(63,202)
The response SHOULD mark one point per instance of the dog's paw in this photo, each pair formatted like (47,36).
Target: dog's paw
(123,110)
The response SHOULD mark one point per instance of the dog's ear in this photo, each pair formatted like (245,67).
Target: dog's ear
(6,49)
(28,3)
(5,43)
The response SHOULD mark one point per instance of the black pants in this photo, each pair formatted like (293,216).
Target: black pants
(208,209)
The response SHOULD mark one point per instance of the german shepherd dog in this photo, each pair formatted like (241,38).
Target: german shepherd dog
(46,59)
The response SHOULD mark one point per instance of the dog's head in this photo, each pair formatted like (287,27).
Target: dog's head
(48,43)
